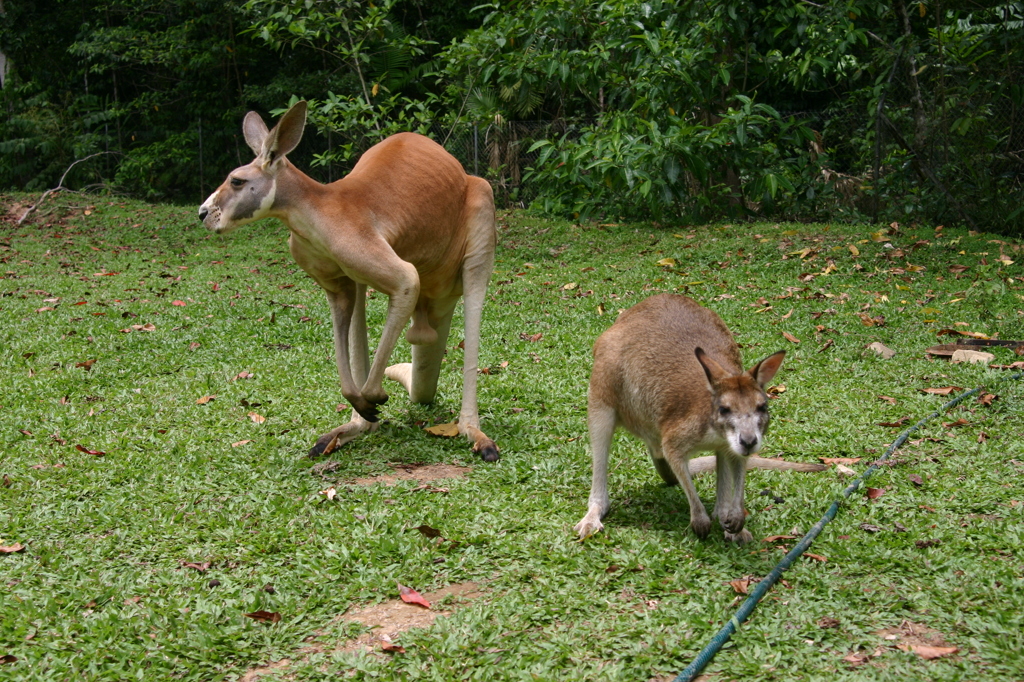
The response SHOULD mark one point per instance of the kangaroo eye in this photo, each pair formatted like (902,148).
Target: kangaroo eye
(724,411)
(237,182)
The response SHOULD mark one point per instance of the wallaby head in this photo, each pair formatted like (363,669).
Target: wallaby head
(739,409)
(249,191)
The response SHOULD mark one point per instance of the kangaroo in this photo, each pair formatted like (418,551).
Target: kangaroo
(407,221)
(670,372)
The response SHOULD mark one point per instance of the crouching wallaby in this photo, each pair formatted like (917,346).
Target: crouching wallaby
(670,372)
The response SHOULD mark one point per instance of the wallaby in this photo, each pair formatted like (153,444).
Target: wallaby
(670,372)
(407,221)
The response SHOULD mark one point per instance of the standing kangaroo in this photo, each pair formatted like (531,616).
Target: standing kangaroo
(407,221)
(670,372)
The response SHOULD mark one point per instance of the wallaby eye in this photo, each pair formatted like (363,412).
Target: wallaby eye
(724,411)
(237,182)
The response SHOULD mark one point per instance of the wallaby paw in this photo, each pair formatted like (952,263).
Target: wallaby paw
(487,450)
(741,538)
(324,445)
(588,526)
(701,525)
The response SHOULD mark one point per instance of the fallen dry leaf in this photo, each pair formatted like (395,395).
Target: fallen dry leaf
(411,596)
(891,401)
(789,337)
(8,658)
(205,399)
(856,658)
(845,470)
(987,398)
(197,566)
(242,375)
(11,549)
(258,418)
(874,493)
(740,585)
(899,422)
(82,448)
(194,345)
(449,430)
(840,460)
(390,647)
(240,443)
(264,616)
(957,332)
(178,303)
(915,479)
(329,493)
(427,530)
(959,422)
(870,528)
(816,557)
(87,365)
(776,538)
(828,622)
(928,652)
(7,481)
(776,390)
(531,337)
(945,390)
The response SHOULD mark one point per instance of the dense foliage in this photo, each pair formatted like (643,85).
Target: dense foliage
(665,110)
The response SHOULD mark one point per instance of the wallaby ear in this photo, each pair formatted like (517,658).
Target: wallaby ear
(255,132)
(712,369)
(286,134)
(764,371)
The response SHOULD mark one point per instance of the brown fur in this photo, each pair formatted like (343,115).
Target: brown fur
(407,221)
(670,372)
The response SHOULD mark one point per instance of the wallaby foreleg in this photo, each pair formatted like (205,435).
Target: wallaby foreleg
(729,507)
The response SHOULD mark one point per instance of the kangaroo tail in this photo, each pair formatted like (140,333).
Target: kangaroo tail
(702,465)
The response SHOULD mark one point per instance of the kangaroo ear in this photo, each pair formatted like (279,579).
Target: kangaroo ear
(286,134)
(255,132)
(712,369)
(764,371)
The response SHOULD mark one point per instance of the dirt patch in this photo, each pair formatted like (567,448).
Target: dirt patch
(913,634)
(421,473)
(389,618)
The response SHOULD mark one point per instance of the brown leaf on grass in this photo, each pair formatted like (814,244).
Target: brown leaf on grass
(874,493)
(899,422)
(789,337)
(891,401)
(816,557)
(82,448)
(957,332)
(201,567)
(881,349)
(915,479)
(411,596)
(25,432)
(828,344)
(987,398)
(944,390)
(390,647)
(178,303)
(959,422)
(264,616)
(870,528)
(11,549)
(531,337)
(427,530)
(840,460)
(868,321)
(240,443)
(926,652)
(828,622)
(87,365)
(64,400)
(242,375)
(330,493)
(205,399)
(856,658)
(194,345)
(256,417)
(740,585)
(982,436)
(924,544)
(957,268)
(450,430)
(7,481)
(132,600)
(776,389)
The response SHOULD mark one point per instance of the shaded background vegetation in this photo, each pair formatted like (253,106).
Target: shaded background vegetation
(672,111)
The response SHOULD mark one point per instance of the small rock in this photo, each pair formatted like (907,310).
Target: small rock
(971,356)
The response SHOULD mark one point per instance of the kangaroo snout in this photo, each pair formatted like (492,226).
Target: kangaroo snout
(203,212)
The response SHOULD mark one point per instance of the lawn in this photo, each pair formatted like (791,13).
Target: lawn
(201,368)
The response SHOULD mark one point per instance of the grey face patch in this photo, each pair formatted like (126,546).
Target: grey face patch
(247,203)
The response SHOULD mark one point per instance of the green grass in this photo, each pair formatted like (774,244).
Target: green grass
(100,531)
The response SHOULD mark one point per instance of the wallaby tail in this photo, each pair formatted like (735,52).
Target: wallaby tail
(702,465)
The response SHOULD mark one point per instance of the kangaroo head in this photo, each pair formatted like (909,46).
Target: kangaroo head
(739,404)
(249,191)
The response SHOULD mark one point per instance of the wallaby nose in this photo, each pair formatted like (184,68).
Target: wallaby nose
(203,212)
(748,445)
